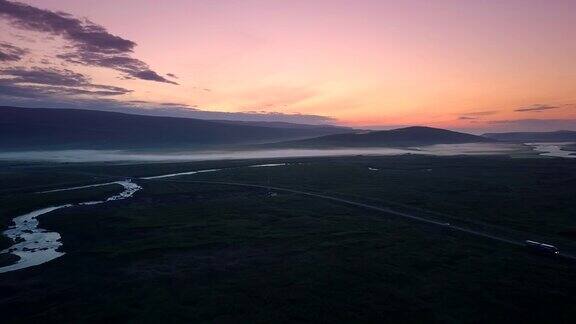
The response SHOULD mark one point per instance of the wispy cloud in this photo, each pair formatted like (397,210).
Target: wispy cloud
(46,92)
(481,113)
(9,52)
(475,116)
(536,108)
(90,44)
(51,82)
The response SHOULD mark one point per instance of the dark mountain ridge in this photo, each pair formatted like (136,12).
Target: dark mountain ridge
(52,128)
(401,137)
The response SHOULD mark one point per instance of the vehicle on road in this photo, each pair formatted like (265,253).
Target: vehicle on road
(542,247)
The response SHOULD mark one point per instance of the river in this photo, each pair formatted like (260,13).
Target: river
(34,245)
(552,149)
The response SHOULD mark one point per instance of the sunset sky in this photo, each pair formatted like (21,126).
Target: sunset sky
(475,65)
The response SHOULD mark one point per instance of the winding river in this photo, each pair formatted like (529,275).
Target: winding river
(34,245)
(552,149)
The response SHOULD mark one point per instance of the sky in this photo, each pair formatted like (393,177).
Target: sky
(467,65)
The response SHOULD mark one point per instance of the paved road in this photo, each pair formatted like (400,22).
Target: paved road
(498,238)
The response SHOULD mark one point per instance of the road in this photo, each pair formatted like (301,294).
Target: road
(456,228)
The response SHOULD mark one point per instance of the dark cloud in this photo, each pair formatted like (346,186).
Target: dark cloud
(51,82)
(467,118)
(133,68)
(9,52)
(91,44)
(172,75)
(15,90)
(150,103)
(48,76)
(536,108)
(173,104)
(147,75)
(136,102)
(82,33)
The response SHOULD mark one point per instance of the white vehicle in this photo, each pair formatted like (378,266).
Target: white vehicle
(542,247)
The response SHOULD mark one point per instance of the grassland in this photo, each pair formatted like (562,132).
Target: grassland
(187,252)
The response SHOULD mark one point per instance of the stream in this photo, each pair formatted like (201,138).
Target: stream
(552,149)
(34,245)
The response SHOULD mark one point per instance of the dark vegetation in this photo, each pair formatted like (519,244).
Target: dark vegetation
(189,252)
(569,147)
(31,128)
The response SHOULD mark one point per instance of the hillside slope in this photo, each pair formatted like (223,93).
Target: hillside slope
(34,128)
(401,137)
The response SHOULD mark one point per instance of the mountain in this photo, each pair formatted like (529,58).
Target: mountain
(401,137)
(51,128)
(557,136)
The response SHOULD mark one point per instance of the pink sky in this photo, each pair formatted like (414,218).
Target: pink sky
(456,64)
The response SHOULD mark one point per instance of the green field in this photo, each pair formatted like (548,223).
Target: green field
(180,251)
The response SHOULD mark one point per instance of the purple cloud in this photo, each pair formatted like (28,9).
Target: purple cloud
(91,44)
(467,118)
(9,52)
(536,108)
(8,89)
(51,82)
(132,67)
(49,76)
(173,104)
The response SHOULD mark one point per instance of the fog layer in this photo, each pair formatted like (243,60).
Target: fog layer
(112,156)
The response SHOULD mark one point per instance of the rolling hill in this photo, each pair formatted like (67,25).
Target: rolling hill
(51,129)
(401,137)
(557,136)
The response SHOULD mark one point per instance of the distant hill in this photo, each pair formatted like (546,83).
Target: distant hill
(557,136)
(35,128)
(401,137)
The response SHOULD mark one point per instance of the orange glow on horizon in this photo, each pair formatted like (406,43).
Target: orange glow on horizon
(363,63)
